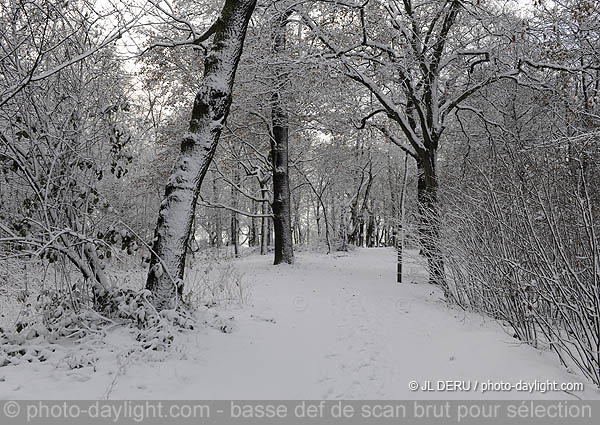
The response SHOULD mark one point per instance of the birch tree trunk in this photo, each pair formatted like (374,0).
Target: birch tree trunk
(284,251)
(211,107)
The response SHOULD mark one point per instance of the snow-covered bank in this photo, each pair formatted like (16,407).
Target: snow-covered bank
(326,327)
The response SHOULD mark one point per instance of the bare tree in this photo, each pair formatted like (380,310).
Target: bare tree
(211,107)
(284,249)
(62,99)
(419,70)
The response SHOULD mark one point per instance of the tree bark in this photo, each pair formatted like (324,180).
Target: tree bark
(427,197)
(284,251)
(211,107)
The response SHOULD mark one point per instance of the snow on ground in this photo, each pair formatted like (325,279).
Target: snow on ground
(332,327)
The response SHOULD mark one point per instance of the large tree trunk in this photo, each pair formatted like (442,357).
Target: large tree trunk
(427,197)
(284,251)
(211,107)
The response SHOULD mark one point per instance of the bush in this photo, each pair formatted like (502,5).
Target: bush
(527,252)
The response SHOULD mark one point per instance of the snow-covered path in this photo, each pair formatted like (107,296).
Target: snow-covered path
(329,327)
